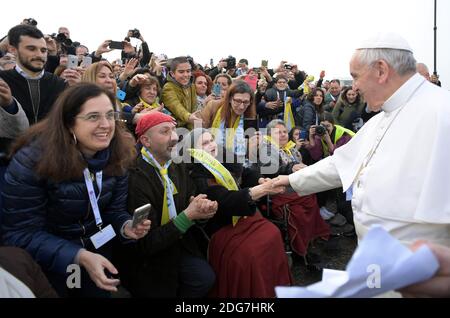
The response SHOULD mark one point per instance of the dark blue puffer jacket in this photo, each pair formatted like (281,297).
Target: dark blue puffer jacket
(50,220)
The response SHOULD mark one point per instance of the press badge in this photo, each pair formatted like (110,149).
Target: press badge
(103,236)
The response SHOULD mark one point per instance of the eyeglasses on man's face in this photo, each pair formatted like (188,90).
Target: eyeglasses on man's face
(95,117)
(239,102)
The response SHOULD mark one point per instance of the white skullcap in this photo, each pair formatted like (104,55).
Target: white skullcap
(385,40)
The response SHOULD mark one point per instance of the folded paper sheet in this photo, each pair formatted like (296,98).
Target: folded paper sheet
(380,264)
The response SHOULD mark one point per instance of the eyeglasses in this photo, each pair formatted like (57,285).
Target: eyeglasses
(95,117)
(243,102)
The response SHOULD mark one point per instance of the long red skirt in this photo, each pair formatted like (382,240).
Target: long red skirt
(304,220)
(249,259)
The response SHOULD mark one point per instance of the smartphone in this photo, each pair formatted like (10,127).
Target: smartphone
(264,63)
(217,89)
(87,61)
(72,61)
(302,134)
(121,95)
(141,214)
(256,69)
(118,45)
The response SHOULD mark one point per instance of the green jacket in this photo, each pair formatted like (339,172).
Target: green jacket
(344,113)
(181,101)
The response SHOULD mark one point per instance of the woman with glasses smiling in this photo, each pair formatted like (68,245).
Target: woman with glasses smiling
(226,116)
(66,190)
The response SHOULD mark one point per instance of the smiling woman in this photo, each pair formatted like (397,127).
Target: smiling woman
(68,179)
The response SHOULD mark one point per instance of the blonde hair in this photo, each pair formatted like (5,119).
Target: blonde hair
(90,75)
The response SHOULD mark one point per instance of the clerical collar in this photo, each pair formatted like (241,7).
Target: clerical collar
(403,94)
(26,75)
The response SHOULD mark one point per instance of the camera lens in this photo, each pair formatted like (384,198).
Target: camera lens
(320,130)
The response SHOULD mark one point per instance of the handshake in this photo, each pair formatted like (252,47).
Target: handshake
(201,208)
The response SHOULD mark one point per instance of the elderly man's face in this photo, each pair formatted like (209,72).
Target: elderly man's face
(161,140)
(365,82)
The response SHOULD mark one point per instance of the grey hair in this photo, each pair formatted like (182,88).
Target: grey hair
(273,124)
(402,61)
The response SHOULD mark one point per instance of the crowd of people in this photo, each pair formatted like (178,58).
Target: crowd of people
(85,142)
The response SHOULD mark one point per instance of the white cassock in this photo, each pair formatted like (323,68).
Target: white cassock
(398,166)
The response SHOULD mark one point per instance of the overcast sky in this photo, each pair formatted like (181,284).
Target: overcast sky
(315,35)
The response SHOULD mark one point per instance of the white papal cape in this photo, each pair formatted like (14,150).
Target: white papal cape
(405,185)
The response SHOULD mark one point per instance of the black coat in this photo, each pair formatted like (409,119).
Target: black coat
(52,220)
(149,268)
(231,203)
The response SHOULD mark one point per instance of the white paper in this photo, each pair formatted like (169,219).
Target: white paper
(380,264)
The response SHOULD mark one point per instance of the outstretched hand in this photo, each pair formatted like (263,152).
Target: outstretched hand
(281,181)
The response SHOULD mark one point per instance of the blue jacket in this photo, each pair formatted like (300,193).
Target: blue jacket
(53,220)
(306,115)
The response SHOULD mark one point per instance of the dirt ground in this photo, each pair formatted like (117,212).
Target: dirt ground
(334,254)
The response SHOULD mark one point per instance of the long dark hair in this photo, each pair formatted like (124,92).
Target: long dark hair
(60,158)
(344,96)
(319,108)
(238,87)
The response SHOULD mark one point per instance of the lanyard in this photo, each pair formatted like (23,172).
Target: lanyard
(92,198)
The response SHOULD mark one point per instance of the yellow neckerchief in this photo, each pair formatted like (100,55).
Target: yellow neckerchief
(169,211)
(217,122)
(287,148)
(288,116)
(147,105)
(220,173)
(337,135)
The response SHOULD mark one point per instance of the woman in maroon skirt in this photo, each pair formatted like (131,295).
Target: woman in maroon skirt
(245,250)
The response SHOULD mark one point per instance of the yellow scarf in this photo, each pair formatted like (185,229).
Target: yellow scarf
(169,211)
(220,173)
(287,148)
(147,105)
(229,132)
(288,116)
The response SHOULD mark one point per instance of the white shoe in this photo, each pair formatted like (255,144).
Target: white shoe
(325,214)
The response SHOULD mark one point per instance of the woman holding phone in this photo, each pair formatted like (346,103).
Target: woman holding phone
(66,188)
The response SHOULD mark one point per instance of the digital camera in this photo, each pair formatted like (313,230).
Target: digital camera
(30,21)
(135,33)
(231,62)
(320,130)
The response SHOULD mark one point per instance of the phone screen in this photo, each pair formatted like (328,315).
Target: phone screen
(302,134)
(118,45)
(217,89)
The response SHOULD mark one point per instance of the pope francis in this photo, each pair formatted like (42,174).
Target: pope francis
(396,169)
